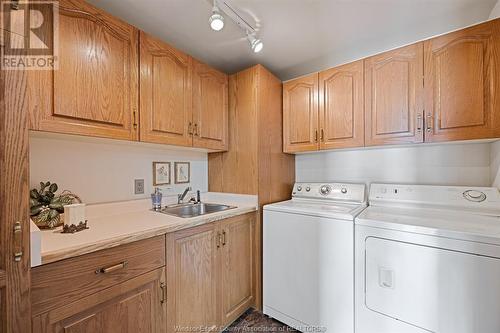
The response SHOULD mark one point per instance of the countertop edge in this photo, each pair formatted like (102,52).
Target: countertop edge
(72,252)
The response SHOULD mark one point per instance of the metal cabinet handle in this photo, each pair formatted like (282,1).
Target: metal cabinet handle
(223,237)
(429,123)
(135,121)
(322,135)
(196,129)
(110,269)
(315,135)
(18,242)
(190,128)
(163,288)
(217,241)
(419,123)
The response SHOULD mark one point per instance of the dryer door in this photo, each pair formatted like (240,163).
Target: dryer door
(435,289)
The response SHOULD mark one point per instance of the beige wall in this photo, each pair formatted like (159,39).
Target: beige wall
(103,170)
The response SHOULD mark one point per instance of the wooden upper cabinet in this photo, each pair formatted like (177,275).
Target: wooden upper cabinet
(165,93)
(94,91)
(394,96)
(462,84)
(341,115)
(210,107)
(300,114)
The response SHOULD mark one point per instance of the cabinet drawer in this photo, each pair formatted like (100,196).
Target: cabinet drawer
(66,281)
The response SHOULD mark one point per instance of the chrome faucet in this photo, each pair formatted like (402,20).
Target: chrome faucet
(180,197)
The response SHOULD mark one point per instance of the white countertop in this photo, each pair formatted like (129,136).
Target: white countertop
(114,224)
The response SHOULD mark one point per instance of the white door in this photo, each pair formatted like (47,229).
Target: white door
(432,288)
(309,271)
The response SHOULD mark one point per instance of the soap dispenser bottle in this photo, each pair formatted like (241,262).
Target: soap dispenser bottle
(156,199)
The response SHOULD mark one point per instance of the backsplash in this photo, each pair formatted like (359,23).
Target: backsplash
(437,164)
(103,170)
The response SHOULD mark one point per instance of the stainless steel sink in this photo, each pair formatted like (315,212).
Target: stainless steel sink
(192,210)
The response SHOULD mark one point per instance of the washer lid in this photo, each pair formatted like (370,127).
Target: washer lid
(443,223)
(340,211)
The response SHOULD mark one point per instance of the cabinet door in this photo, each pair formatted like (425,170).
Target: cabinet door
(137,305)
(193,279)
(210,107)
(237,262)
(394,96)
(462,84)
(300,114)
(341,115)
(166,111)
(94,90)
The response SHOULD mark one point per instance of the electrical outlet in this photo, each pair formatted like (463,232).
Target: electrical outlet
(138,186)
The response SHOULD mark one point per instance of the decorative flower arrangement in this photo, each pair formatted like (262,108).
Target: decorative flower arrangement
(47,208)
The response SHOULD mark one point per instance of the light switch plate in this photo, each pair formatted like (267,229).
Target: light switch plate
(138,186)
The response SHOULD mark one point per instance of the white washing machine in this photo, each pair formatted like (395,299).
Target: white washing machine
(308,257)
(428,260)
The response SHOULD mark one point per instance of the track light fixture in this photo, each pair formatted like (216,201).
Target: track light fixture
(216,22)
(255,43)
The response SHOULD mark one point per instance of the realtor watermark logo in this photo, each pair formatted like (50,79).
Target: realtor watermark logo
(30,33)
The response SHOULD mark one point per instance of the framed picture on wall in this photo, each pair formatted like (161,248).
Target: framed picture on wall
(161,173)
(182,172)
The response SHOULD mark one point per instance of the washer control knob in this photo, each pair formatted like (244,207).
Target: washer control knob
(308,189)
(325,189)
(343,190)
(299,188)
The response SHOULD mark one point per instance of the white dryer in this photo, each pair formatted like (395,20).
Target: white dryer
(428,260)
(308,257)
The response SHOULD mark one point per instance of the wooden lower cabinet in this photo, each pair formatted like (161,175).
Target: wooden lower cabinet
(192,279)
(237,266)
(210,274)
(136,305)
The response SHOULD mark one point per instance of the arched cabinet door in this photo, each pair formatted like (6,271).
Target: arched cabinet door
(210,107)
(462,84)
(94,88)
(166,105)
(394,96)
(300,114)
(341,115)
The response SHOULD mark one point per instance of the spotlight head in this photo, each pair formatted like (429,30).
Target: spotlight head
(216,20)
(255,43)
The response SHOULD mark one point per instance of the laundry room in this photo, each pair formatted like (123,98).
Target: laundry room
(319,166)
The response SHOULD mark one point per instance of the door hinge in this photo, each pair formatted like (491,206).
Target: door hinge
(163,288)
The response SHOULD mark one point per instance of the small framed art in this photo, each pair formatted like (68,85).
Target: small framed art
(161,173)
(182,172)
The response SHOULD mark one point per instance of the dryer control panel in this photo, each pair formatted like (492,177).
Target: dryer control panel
(330,191)
(476,199)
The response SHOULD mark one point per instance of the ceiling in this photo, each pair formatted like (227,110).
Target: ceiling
(300,36)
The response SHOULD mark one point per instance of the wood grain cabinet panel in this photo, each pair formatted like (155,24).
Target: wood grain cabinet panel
(237,264)
(210,107)
(136,305)
(94,90)
(193,279)
(68,280)
(394,96)
(341,115)
(300,114)
(165,93)
(462,89)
